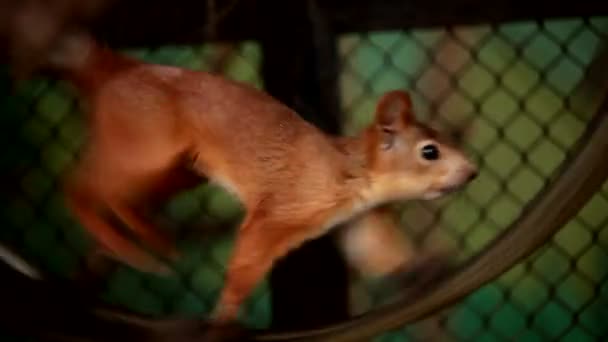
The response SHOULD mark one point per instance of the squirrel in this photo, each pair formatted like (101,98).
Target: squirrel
(155,130)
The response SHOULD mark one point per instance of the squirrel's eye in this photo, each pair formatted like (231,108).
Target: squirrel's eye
(430,152)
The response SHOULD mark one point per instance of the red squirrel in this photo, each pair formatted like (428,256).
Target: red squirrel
(155,130)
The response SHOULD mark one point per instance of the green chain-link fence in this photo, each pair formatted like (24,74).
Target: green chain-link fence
(518,95)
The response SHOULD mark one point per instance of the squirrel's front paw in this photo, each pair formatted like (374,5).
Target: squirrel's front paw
(418,274)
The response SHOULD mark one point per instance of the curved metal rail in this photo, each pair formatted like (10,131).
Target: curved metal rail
(578,178)
(576,181)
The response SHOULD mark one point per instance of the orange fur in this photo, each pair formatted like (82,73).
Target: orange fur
(155,130)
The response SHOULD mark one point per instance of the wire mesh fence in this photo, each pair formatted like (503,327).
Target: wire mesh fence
(517,96)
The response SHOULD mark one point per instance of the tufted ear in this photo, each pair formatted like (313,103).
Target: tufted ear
(393,114)
(394,111)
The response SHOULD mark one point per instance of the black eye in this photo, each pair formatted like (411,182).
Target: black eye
(430,152)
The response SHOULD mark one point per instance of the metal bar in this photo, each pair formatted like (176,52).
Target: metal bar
(310,285)
(184,21)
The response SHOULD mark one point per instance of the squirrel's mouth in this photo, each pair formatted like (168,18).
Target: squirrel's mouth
(451,188)
(434,194)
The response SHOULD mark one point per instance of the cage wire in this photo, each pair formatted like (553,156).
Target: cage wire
(517,96)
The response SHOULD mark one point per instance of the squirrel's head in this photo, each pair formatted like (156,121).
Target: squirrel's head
(408,160)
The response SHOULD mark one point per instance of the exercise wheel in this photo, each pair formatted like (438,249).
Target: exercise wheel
(578,178)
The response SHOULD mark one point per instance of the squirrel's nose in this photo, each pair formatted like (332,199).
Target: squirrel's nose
(472,175)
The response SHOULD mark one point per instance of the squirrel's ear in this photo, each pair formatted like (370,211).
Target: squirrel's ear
(394,111)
